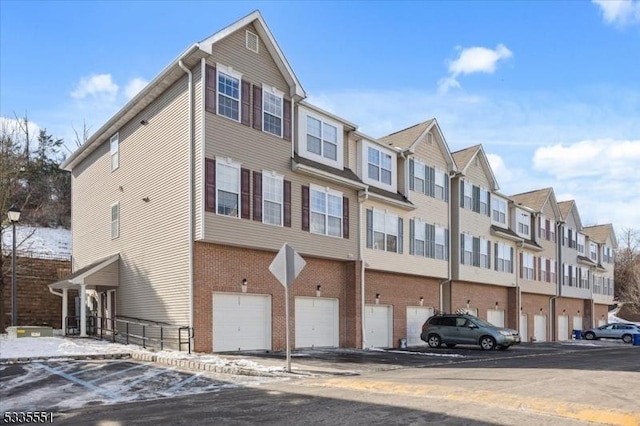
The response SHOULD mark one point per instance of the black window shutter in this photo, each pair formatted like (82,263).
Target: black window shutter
(462,193)
(446,244)
(431,231)
(476,198)
(476,251)
(411,174)
(462,249)
(548,270)
(495,258)
(257,196)
(412,236)
(286,120)
(305,208)
(489,204)
(521,265)
(446,187)
(400,235)
(432,177)
(245,191)
(286,214)
(210,185)
(345,217)
(210,89)
(369,228)
(428,184)
(511,257)
(257,107)
(245,114)
(488,254)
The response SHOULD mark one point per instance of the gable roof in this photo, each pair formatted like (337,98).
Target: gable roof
(537,200)
(569,207)
(464,157)
(410,137)
(270,43)
(600,233)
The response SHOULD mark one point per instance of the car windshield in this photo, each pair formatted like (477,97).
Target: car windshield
(482,323)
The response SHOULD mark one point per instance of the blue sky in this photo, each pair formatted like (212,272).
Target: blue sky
(550,89)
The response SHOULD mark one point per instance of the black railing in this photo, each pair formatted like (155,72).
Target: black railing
(129,330)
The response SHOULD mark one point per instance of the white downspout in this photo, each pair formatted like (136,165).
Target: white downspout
(362,263)
(191,189)
(293,126)
(64,306)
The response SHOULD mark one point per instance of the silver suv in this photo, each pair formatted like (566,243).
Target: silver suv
(453,329)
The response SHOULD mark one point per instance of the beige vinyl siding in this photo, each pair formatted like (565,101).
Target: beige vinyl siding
(537,287)
(476,174)
(550,246)
(395,262)
(351,161)
(254,67)
(107,276)
(430,154)
(153,241)
(198,158)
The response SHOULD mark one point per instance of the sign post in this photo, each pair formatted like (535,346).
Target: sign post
(286,267)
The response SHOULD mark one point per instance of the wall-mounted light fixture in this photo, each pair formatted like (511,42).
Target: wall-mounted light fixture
(145,199)
(564,311)
(421,300)
(578,311)
(377,298)
(540,310)
(244,285)
(318,290)
(144,122)
(468,302)
(496,304)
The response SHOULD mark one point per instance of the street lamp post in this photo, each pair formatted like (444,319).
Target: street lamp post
(14,217)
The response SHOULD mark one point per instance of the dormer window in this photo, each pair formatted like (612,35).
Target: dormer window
(379,166)
(320,138)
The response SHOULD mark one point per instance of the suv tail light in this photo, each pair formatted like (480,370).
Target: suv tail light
(425,326)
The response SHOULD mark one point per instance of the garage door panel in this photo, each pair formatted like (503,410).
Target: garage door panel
(241,322)
(563,327)
(377,321)
(540,328)
(416,316)
(316,322)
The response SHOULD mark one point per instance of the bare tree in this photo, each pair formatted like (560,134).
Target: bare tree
(80,137)
(627,269)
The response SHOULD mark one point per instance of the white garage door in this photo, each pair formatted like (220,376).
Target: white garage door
(540,328)
(563,327)
(524,332)
(416,316)
(377,326)
(316,322)
(495,317)
(577,322)
(241,322)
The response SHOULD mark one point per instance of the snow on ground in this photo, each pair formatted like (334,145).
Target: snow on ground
(36,240)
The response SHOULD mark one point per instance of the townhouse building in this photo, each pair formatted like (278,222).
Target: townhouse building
(183,198)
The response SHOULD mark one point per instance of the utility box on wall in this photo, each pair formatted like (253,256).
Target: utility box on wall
(29,331)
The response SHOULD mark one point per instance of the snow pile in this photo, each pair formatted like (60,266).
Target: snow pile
(42,241)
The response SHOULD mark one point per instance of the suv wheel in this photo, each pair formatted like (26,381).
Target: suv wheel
(487,343)
(627,338)
(589,335)
(434,341)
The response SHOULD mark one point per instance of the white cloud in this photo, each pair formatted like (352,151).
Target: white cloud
(134,87)
(619,12)
(97,85)
(473,60)
(16,128)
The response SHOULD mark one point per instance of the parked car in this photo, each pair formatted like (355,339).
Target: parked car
(613,331)
(454,329)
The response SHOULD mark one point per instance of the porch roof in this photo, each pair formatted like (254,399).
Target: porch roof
(76,279)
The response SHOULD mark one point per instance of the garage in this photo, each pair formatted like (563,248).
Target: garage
(416,316)
(563,327)
(316,322)
(524,324)
(241,322)
(495,317)
(540,328)
(377,326)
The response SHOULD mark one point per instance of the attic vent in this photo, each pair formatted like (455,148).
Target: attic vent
(252,41)
(429,138)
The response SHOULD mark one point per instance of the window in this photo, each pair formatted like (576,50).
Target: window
(467,249)
(523,223)
(543,269)
(593,251)
(326,212)
(419,238)
(272,113)
(322,138)
(527,266)
(499,211)
(504,258)
(228,188)
(565,236)
(542,229)
(114,146)
(552,270)
(419,177)
(607,254)
(552,230)
(272,198)
(581,243)
(584,278)
(115,220)
(467,195)
(379,166)
(228,95)
(485,256)
(384,231)
(442,187)
(484,202)
(442,243)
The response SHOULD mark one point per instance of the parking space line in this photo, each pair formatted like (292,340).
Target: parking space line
(115,373)
(77,381)
(146,377)
(97,367)
(183,383)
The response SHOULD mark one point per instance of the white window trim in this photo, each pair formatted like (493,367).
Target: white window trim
(229,163)
(114,150)
(302,138)
(266,90)
(115,222)
(523,218)
(440,174)
(497,202)
(220,68)
(443,231)
(419,226)
(328,191)
(272,175)
(387,217)
(419,165)
(467,195)
(364,166)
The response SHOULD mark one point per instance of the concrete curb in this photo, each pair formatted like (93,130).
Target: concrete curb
(5,361)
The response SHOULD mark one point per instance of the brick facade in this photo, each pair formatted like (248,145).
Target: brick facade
(36,305)
(532,305)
